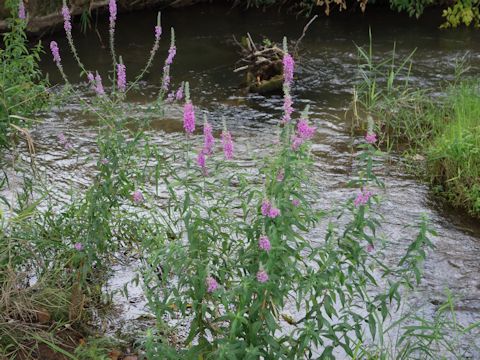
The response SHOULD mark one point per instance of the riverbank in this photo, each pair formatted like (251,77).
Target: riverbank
(438,132)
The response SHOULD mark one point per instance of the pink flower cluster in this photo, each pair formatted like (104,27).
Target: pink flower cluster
(371,138)
(208,139)
(96,82)
(212,284)
(288,67)
(268,210)
(137,197)
(287,108)
(264,243)
(158,32)
(121,77)
(362,197)
(67,145)
(22,14)
(55,53)
(67,20)
(112,7)
(78,246)
(227,143)
(304,132)
(262,276)
(189,118)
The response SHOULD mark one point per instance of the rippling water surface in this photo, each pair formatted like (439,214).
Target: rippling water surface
(326,73)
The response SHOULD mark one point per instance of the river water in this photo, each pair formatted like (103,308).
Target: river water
(326,73)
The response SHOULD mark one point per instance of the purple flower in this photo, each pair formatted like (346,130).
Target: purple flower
(105,161)
(266,207)
(171,54)
(212,284)
(262,276)
(55,52)
(189,118)
(264,243)
(227,143)
(166,80)
(78,246)
(62,139)
(91,77)
(21,11)
(273,212)
(158,32)
(288,65)
(287,108)
(281,175)
(179,94)
(295,202)
(208,139)
(121,77)
(67,24)
(369,248)
(68,146)
(98,85)
(297,142)
(371,138)
(112,7)
(170,97)
(269,210)
(362,197)
(305,131)
(137,197)
(201,161)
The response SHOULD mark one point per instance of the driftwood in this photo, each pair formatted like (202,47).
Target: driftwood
(263,63)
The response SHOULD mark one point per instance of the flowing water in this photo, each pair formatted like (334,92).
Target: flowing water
(326,73)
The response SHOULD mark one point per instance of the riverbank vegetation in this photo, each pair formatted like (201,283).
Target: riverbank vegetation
(44,14)
(221,250)
(442,131)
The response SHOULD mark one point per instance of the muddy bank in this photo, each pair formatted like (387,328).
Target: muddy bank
(45,14)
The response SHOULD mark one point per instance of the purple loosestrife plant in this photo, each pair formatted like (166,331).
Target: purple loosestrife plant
(288,68)
(112,8)
(188,112)
(262,276)
(227,143)
(98,85)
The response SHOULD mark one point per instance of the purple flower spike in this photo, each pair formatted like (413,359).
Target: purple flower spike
(371,138)
(212,284)
(67,19)
(121,77)
(189,118)
(288,66)
(264,243)
(137,197)
(201,161)
(78,246)
(287,109)
(262,276)
(158,32)
(91,78)
(22,14)
(208,139)
(179,93)
(266,207)
(112,7)
(98,85)
(227,143)
(171,54)
(55,52)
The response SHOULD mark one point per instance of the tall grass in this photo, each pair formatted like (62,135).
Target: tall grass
(453,156)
